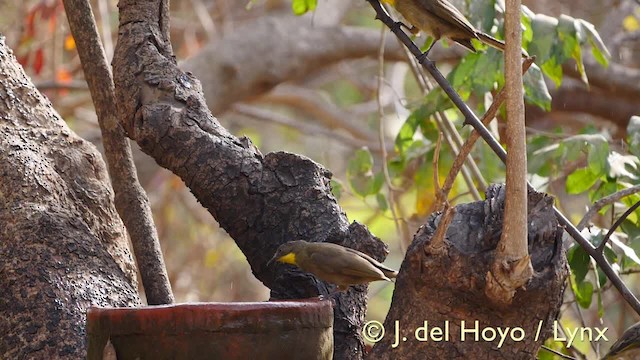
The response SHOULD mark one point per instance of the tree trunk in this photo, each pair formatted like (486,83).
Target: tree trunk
(261,200)
(443,290)
(63,247)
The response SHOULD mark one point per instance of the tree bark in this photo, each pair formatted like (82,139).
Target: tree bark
(63,247)
(261,200)
(449,286)
(130,199)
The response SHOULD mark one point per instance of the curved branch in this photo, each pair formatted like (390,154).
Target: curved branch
(261,200)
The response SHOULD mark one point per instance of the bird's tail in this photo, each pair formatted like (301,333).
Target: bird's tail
(495,43)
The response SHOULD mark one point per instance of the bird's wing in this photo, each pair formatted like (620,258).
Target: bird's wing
(448,13)
(354,266)
(388,271)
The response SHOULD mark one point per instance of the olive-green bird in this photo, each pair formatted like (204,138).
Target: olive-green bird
(440,18)
(333,263)
(627,347)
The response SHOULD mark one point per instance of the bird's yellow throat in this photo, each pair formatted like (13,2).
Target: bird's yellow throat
(390,2)
(290,258)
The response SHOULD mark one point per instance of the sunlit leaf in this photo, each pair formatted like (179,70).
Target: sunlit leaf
(584,293)
(301,7)
(581,180)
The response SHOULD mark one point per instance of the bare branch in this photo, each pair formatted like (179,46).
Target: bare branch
(130,199)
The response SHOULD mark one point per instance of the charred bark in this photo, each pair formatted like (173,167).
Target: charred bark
(444,289)
(261,200)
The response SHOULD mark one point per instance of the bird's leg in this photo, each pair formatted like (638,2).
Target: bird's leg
(399,24)
(423,56)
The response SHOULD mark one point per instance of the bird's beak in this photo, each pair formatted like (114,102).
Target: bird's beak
(272,260)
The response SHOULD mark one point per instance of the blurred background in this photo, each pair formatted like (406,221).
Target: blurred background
(339,112)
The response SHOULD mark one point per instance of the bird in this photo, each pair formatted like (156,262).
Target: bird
(440,18)
(627,347)
(333,263)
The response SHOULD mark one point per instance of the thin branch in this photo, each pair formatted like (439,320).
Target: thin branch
(616,225)
(557,353)
(436,159)
(381,133)
(130,199)
(453,138)
(474,136)
(605,201)
(512,267)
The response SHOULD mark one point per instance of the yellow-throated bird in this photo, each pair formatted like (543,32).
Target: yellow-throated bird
(333,263)
(440,18)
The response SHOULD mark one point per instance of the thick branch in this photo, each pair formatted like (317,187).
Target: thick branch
(260,200)
(241,67)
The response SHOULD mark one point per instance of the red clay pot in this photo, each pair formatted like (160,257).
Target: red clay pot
(263,330)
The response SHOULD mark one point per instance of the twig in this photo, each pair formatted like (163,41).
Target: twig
(436,245)
(607,200)
(473,137)
(557,353)
(453,138)
(617,224)
(381,133)
(436,159)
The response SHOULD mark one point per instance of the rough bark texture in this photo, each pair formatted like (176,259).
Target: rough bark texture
(262,201)
(450,287)
(130,199)
(62,246)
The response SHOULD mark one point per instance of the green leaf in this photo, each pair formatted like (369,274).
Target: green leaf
(527,32)
(570,39)
(597,159)
(606,188)
(301,7)
(482,14)
(544,37)
(584,293)
(361,162)
(536,91)
(436,100)
(336,188)
(602,277)
(378,182)
(579,262)
(382,202)
(359,174)
(581,180)
(553,70)
(418,149)
(598,48)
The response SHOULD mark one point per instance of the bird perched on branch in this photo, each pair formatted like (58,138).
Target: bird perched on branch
(333,263)
(440,18)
